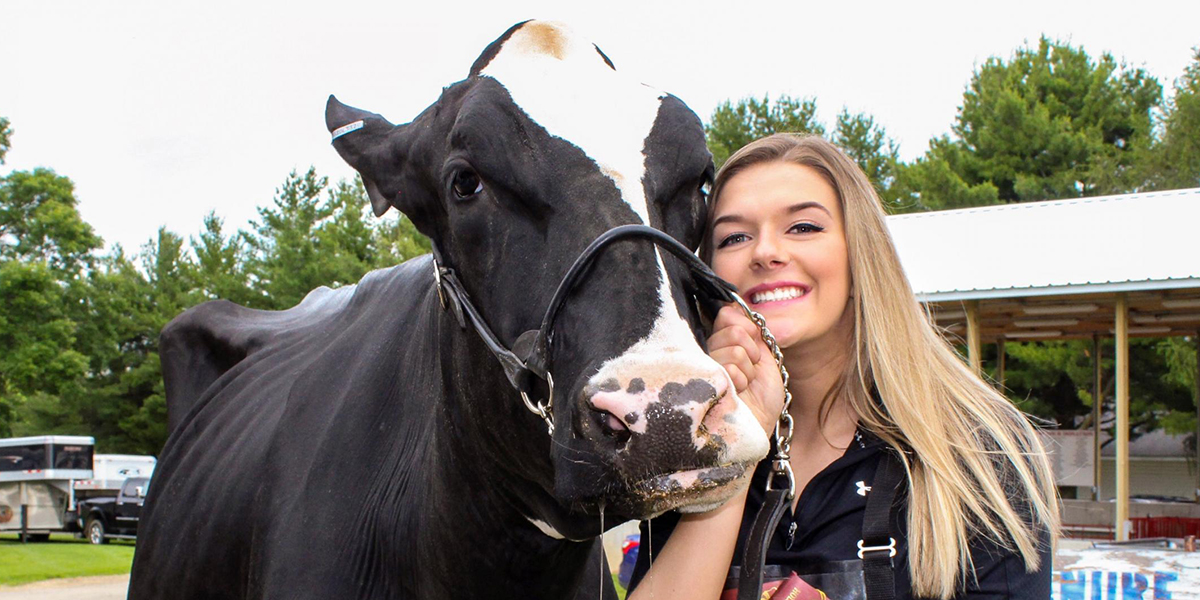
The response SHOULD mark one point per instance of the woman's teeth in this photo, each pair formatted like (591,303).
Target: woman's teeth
(784,293)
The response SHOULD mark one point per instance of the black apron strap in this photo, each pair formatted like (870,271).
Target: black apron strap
(877,547)
(750,578)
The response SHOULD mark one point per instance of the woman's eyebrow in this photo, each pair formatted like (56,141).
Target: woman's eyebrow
(810,204)
(736,218)
(730,218)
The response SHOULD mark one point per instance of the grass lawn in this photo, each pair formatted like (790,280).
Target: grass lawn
(66,556)
(62,556)
(620,590)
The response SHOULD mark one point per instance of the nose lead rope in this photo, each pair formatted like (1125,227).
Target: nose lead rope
(754,555)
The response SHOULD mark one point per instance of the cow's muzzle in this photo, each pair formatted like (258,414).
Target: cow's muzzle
(681,437)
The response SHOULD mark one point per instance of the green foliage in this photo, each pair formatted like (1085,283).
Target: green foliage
(1179,354)
(286,264)
(80,329)
(1174,161)
(399,240)
(303,241)
(39,362)
(735,125)
(5,134)
(126,375)
(1052,380)
(39,221)
(1048,123)
(44,248)
(934,184)
(865,141)
(221,270)
(1055,380)
(357,242)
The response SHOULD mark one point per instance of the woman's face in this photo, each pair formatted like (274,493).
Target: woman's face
(779,236)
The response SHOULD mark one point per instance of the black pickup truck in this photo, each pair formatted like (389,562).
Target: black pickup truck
(103,518)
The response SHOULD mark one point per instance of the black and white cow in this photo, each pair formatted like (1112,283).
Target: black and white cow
(365,445)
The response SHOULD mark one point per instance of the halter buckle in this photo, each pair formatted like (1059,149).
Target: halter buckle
(545,411)
(437,281)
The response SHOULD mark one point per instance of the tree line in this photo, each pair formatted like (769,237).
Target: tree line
(79,326)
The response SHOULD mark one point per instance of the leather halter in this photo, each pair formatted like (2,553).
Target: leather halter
(529,358)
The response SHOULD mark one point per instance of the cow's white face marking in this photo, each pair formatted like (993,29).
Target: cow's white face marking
(563,84)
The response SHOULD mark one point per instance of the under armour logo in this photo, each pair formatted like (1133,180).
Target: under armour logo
(862,488)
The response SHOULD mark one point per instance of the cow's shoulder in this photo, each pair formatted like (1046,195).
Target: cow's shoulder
(207,341)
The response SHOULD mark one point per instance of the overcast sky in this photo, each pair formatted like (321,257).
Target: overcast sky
(163,111)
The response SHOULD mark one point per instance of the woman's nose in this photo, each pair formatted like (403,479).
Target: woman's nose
(768,253)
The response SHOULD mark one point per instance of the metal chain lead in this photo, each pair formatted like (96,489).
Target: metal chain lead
(784,427)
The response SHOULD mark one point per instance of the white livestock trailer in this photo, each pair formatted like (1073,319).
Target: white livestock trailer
(37,482)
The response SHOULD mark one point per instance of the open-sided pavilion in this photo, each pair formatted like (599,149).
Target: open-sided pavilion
(1120,266)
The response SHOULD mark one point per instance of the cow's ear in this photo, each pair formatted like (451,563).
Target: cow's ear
(370,144)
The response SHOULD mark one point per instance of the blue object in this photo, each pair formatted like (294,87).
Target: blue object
(629,549)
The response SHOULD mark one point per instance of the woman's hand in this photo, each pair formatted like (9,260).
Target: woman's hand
(737,345)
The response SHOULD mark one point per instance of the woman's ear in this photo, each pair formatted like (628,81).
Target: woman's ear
(373,146)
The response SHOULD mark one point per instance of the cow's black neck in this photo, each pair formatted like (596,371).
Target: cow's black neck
(480,539)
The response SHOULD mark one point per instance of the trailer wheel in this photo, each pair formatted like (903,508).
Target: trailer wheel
(95,531)
(34,537)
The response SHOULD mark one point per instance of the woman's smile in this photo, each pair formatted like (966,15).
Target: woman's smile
(770,295)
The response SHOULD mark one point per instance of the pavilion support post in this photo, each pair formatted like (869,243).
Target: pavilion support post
(1097,412)
(1000,363)
(1122,413)
(1197,338)
(973,336)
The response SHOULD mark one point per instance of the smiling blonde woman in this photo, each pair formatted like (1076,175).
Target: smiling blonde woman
(797,226)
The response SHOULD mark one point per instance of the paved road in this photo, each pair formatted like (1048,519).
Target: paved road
(109,587)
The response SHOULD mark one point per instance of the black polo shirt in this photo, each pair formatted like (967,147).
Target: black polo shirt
(827,526)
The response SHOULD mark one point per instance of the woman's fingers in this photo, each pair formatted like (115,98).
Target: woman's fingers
(737,362)
(738,377)
(736,343)
(732,328)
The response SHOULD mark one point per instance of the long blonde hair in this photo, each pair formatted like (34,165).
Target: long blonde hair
(975,464)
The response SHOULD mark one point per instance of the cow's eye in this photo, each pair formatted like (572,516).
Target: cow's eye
(705,189)
(466,184)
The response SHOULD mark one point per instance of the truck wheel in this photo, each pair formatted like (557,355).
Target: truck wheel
(95,531)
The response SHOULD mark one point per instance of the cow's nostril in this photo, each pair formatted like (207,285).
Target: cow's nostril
(714,401)
(615,428)
(615,424)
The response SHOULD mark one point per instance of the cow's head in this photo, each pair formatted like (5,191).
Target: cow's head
(511,173)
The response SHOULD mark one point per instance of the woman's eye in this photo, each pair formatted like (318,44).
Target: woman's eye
(806,228)
(466,184)
(734,238)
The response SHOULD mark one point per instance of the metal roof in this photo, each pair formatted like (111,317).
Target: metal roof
(86,440)
(1131,242)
